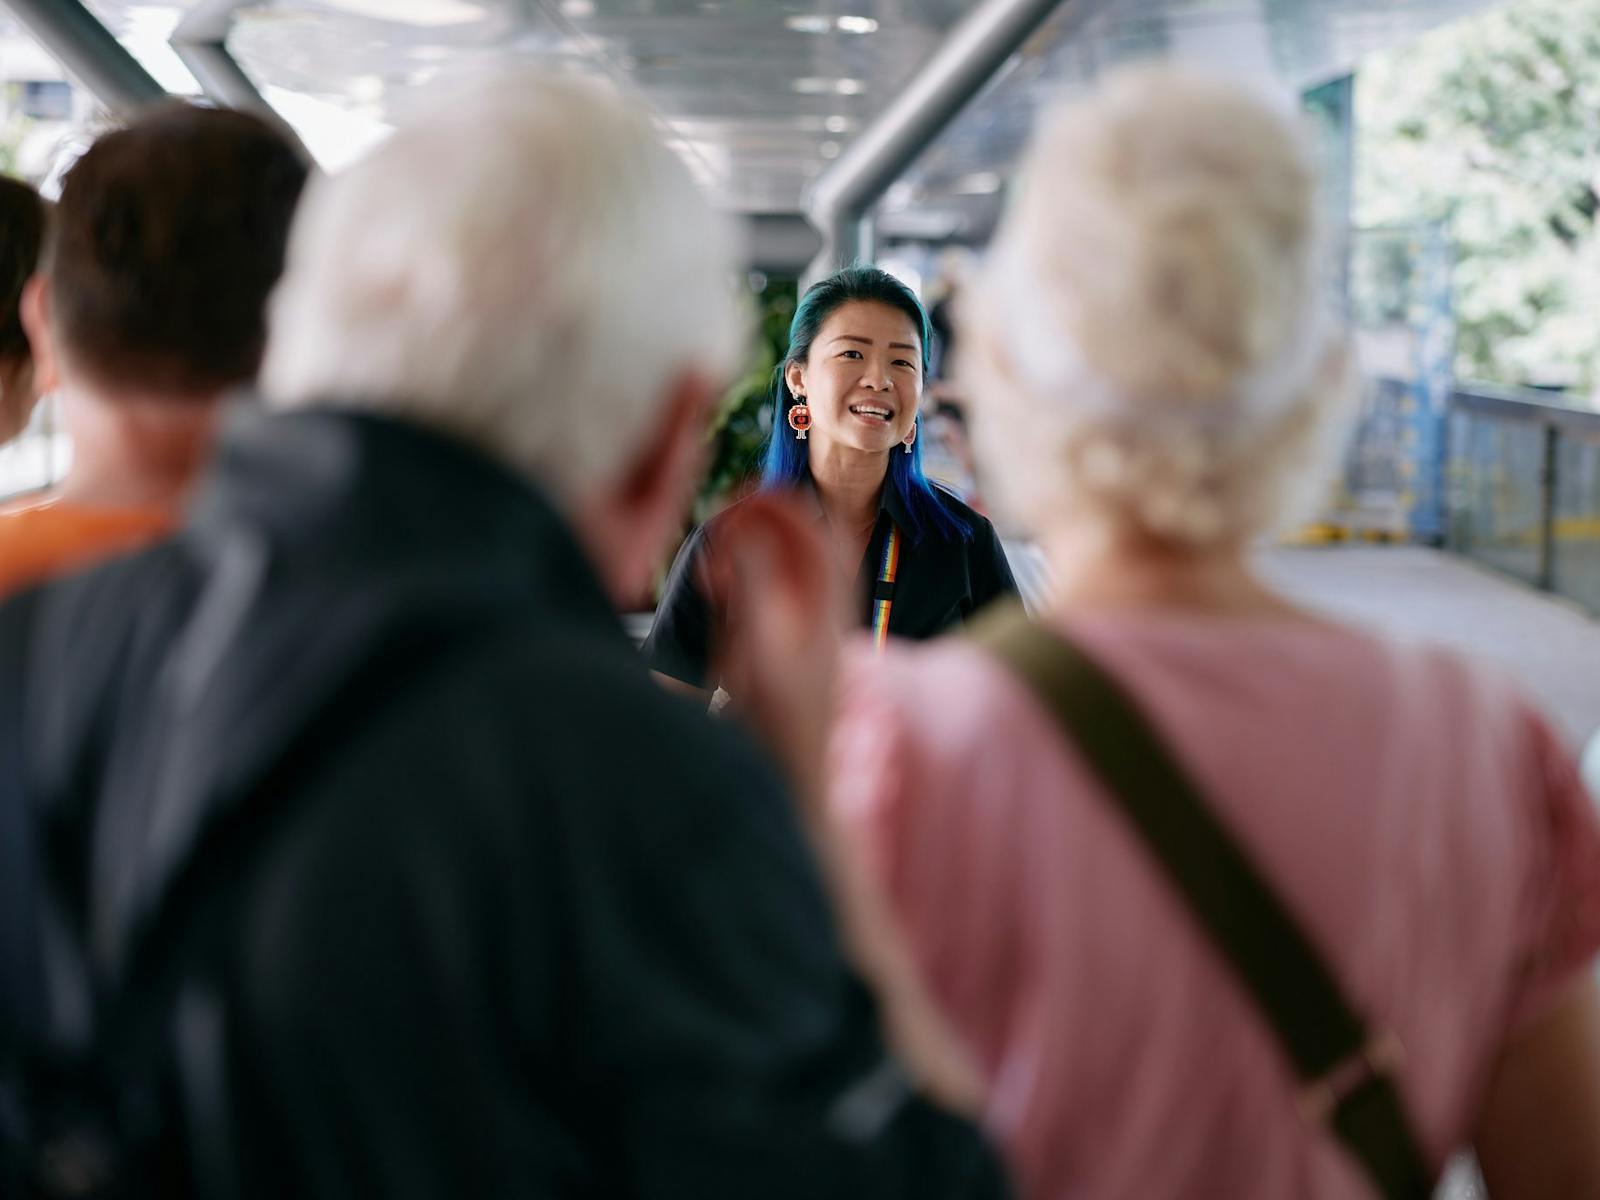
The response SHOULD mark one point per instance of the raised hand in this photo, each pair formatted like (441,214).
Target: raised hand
(776,648)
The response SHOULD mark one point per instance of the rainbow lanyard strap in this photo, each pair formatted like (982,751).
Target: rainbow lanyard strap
(883,594)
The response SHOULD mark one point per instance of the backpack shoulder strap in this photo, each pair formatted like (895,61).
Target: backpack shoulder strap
(1345,1067)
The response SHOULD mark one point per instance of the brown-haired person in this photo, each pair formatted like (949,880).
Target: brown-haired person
(22,224)
(148,308)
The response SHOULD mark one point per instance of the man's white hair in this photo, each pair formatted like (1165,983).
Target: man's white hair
(527,268)
(1149,344)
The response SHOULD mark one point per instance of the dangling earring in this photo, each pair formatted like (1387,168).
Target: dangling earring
(800,418)
(911,438)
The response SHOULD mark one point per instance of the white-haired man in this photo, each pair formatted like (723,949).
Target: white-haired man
(379,824)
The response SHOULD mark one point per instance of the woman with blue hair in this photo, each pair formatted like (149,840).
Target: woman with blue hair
(844,436)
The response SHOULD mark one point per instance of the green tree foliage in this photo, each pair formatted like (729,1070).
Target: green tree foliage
(1493,126)
(745,415)
(738,431)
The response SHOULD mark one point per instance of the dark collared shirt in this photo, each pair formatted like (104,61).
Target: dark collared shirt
(940,583)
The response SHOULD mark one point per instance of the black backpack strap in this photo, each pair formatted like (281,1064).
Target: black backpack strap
(1345,1066)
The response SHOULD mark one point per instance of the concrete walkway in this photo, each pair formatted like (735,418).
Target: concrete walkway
(1410,592)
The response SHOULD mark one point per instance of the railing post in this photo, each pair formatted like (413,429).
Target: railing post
(1547,509)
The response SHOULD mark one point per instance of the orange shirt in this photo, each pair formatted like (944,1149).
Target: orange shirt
(41,540)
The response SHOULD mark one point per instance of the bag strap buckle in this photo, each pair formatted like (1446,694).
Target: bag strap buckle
(1320,1099)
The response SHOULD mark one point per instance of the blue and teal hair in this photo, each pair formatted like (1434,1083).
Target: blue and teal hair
(785,463)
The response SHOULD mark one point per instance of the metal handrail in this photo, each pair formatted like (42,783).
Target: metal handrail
(1525,404)
(1555,419)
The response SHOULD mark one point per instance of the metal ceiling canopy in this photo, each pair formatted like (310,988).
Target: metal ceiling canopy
(81,44)
(971,56)
(761,98)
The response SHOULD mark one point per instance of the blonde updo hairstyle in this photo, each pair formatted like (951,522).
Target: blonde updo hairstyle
(1148,342)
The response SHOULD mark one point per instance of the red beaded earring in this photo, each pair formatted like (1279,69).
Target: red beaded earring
(800,418)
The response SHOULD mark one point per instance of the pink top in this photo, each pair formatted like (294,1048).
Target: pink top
(1419,819)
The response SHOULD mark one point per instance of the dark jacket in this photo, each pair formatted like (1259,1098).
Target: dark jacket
(478,909)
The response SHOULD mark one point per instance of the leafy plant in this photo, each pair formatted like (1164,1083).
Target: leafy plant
(1493,125)
(744,418)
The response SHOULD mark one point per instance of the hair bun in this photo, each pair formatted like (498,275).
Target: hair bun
(1153,301)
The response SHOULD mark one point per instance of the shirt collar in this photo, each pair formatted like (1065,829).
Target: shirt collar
(889,501)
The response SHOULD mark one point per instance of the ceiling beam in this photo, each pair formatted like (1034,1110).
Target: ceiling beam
(201,41)
(972,53)
(72,35)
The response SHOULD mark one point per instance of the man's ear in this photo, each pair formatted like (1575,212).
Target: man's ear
(37,324)
(628,524)
(666,470)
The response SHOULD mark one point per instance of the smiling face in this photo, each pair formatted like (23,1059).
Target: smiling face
(862,377)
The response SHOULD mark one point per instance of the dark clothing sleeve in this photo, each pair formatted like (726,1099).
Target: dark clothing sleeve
(747,1053)
(679,643)
(991,573)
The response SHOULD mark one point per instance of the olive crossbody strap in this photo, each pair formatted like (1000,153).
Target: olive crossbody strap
(1346,1068)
